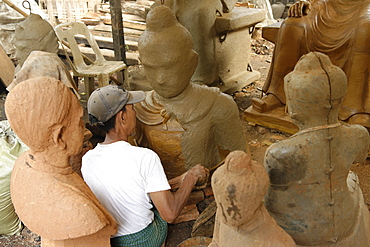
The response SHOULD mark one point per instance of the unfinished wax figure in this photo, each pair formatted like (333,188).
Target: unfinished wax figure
(210,118)
(312,195)
(337,28)
(241,218)
(56,203)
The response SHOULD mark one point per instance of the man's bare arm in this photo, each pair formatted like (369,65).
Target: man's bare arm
(168,204)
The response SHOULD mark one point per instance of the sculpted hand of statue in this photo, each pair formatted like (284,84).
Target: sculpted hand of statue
(299,9)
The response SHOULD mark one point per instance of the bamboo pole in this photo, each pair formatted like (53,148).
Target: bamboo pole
(15,8)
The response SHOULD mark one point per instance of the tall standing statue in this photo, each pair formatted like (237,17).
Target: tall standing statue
(199,18)
(241,218)
(221,35)
(48,196)
(209,117)
(312,194)
(337,28)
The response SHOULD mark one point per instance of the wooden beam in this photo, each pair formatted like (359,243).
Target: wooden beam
(118,37)
(15,8)
(275,119)
(132,57)
(117,30)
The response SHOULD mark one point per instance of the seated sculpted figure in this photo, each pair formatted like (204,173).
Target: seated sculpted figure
(48,196)
(209,117)
(241,218)
(312,194)
(337,28)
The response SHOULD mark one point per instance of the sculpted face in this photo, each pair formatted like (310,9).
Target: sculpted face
(166,52)
(45,114)
(170,78)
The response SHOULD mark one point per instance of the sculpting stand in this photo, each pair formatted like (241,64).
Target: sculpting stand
(275,119)
(234,31)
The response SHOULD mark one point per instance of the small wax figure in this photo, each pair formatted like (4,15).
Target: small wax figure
(209,117)
(241,218)
(312,195)
(128,179)
(337,28)
(49,197)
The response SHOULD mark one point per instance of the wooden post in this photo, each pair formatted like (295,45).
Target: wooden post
(117,33)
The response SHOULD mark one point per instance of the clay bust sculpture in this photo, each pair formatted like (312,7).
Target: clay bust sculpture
(209,117)
(312,195)
(337,28)
(241,218)
(51,199)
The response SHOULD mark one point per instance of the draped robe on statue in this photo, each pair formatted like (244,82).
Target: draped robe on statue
(337,28)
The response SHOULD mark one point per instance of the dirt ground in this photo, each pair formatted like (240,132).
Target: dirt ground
(259,138)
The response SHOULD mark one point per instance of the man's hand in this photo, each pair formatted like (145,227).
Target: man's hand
(299,9)
(169,204)
(200,173)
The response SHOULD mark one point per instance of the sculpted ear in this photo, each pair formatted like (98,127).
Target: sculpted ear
(57,136)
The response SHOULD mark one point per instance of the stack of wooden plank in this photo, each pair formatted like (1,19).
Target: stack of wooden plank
(134,24)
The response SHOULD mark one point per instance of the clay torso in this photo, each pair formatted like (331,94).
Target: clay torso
(210,119)
(309,196)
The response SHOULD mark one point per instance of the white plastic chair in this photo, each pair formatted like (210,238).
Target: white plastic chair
(100,68)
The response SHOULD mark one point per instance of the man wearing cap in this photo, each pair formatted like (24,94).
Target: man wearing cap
(126,178)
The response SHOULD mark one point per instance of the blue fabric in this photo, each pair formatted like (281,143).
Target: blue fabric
(152,236)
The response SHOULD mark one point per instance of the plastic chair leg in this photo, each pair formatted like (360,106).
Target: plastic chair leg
(89,85)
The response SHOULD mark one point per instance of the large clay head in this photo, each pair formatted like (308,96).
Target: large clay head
(239,187)
(45,114)
(34,34)
(315,89)
(166,52)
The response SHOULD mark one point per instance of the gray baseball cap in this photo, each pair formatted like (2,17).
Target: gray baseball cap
(105,102)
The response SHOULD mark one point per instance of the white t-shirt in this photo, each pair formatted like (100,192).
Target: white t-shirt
(121,176)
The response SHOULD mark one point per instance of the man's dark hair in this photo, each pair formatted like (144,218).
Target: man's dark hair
(109,124)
